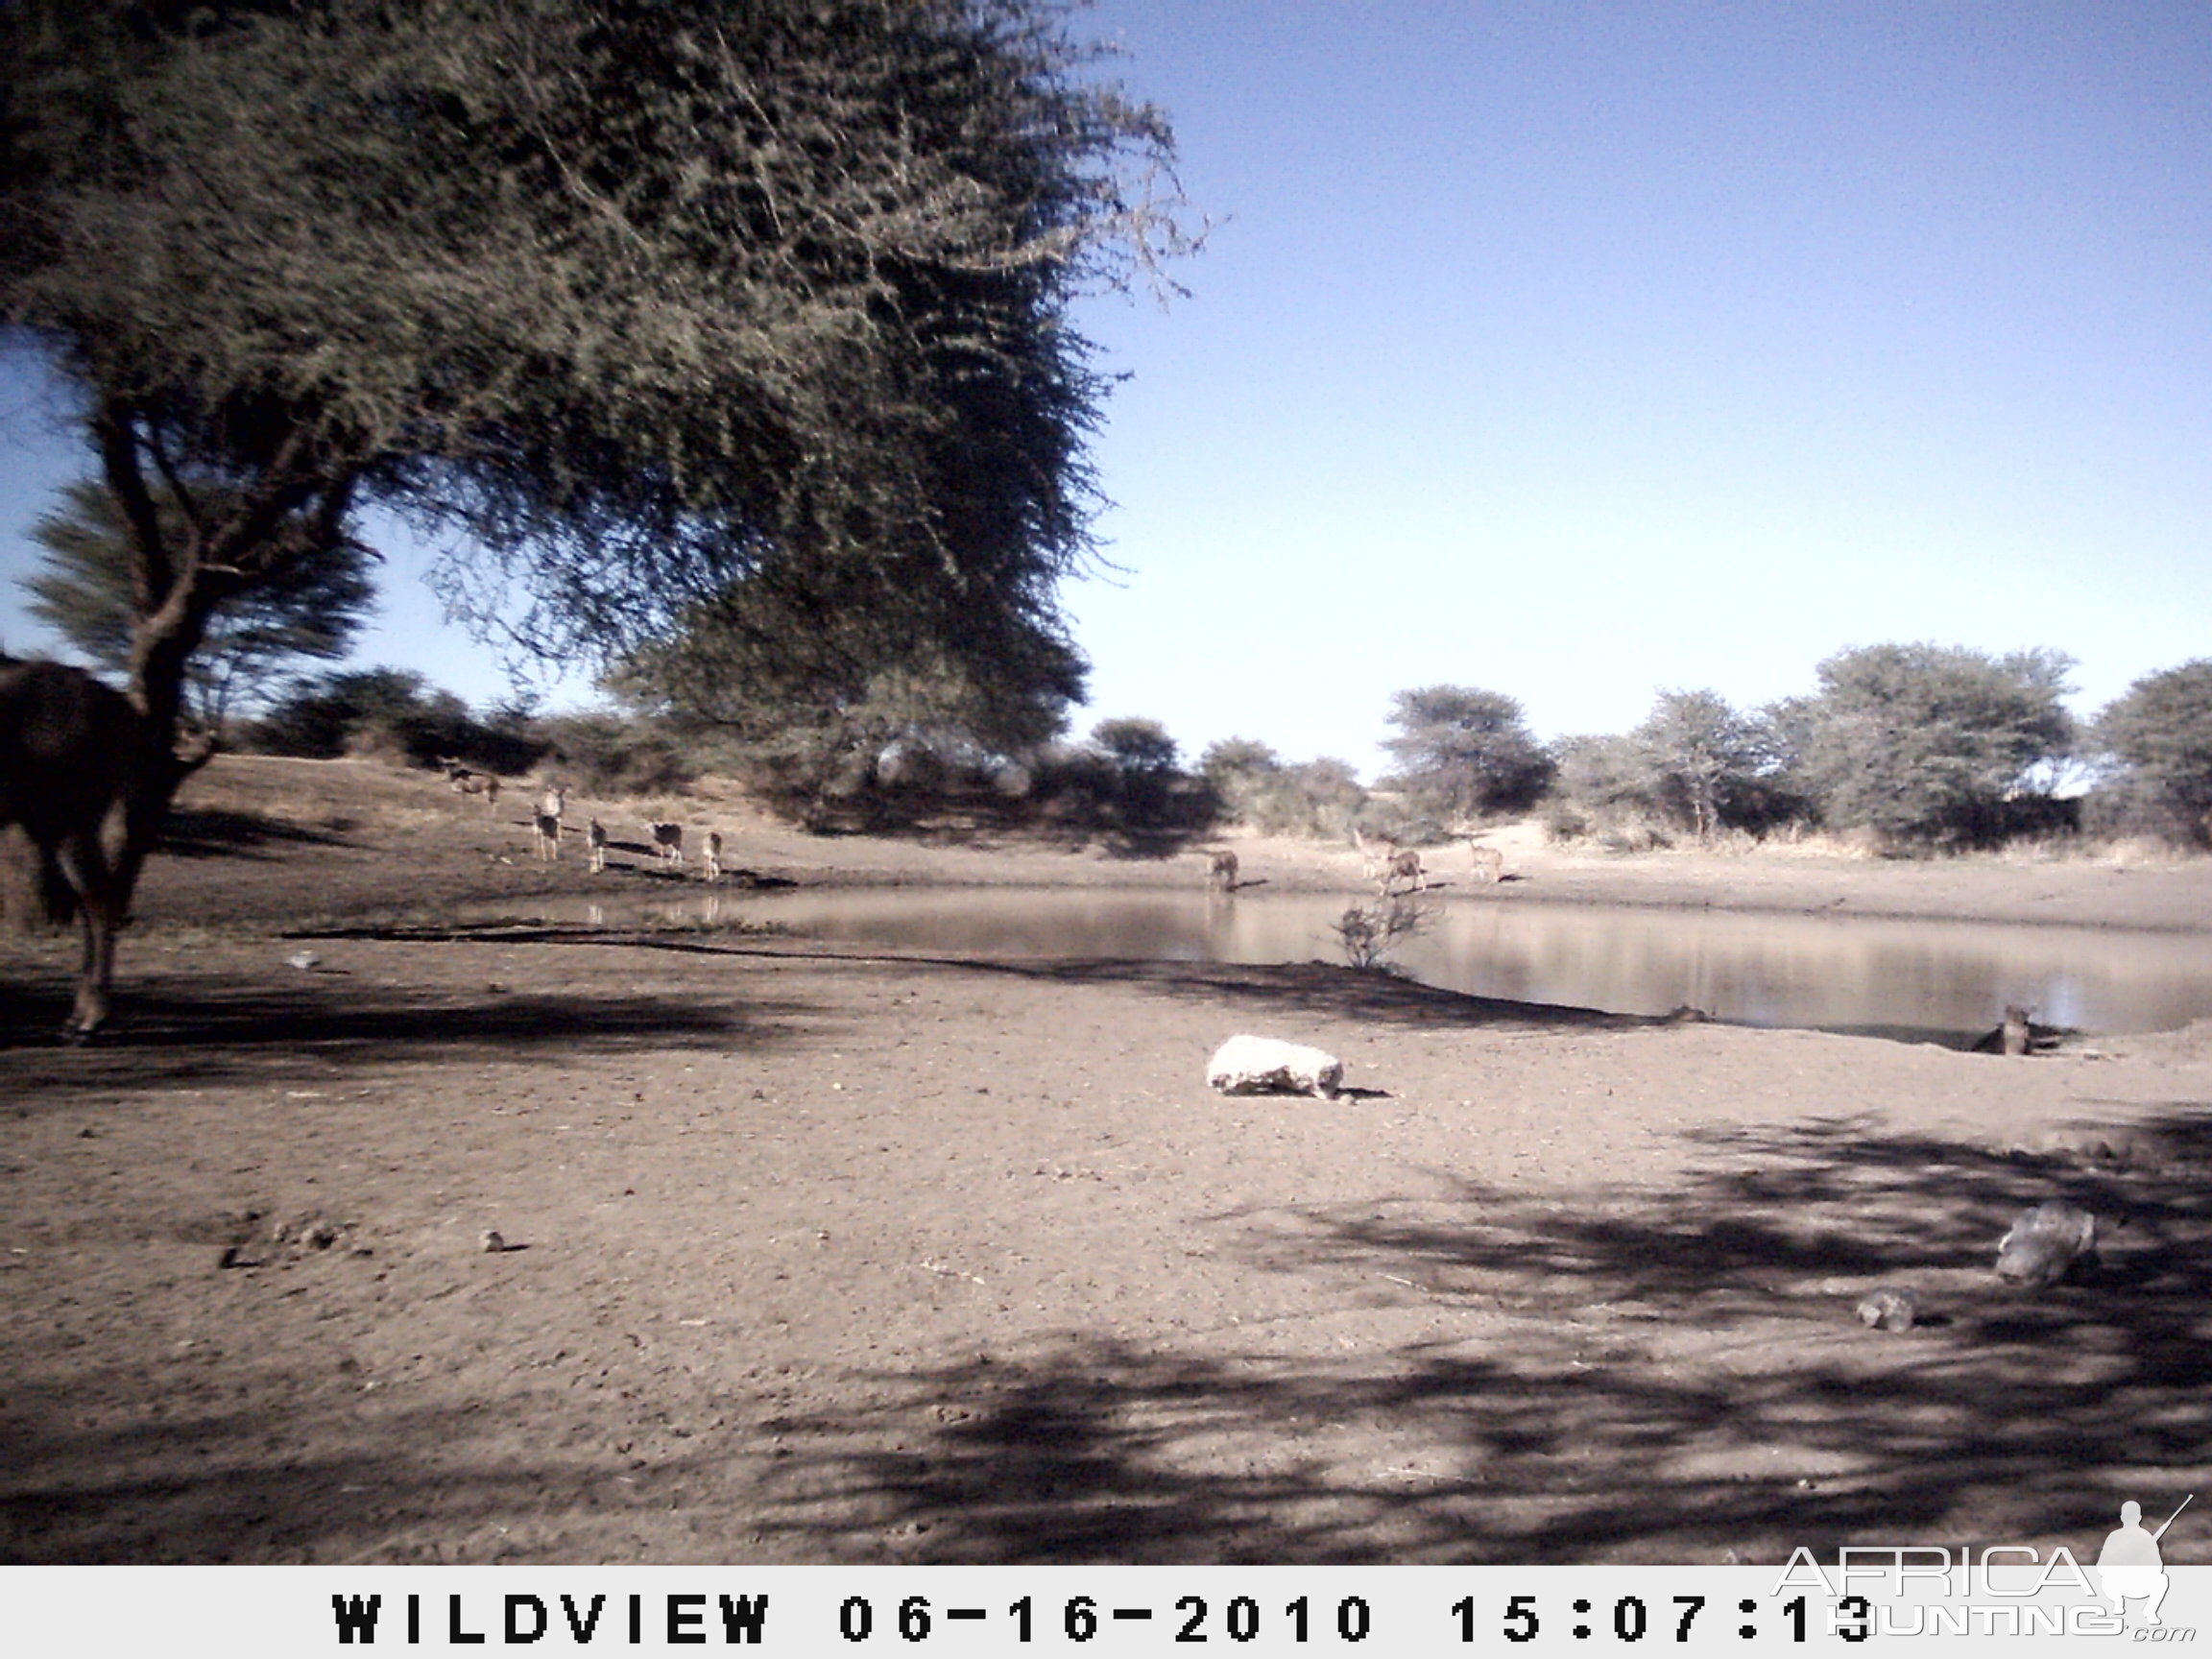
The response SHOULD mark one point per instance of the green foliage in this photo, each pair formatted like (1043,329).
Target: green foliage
(1702,761)
(2159,738)
(805,702)
(1464,753)
(313,607)
(642,303)
(1601,786)
(1137,748)
(610,755)
(1227,759)
(1695,765)
(1142,759)
(1926,745)
(391,711)
(1255,786)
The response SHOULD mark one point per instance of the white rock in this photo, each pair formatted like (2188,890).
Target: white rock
(2043,1245)
(1264,1066)
(1890,1309)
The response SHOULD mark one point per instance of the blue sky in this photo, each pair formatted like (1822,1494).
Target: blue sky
(1577,350)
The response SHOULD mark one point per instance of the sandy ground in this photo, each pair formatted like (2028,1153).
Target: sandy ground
(814,1256)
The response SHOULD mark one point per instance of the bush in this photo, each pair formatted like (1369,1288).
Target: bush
(1367,933)
(2156,740)
(614,755)
(1465,754)
(1926,746)
(390,714)
(1255,787)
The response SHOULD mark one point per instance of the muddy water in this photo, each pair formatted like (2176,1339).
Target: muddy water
(1937,980)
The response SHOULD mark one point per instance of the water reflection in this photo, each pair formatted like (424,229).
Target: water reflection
(1939,979)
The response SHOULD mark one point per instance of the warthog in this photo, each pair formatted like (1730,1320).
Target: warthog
(82,775)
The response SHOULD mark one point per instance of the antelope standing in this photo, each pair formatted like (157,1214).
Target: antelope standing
(713,854)
(596,839)
(546,821)
(88,778)
(1489,863)
(668,841)
(1374,855)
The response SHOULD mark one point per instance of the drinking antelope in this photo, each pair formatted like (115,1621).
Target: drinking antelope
(1403,865)
(1387,863)
(1382,860)
(1222,868)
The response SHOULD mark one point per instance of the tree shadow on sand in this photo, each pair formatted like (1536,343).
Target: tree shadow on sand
(1651,1375)
(1321,989)
(217,1485)
(209,1030)
(1674,1376)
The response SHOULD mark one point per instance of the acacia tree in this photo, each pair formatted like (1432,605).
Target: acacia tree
(1255,786)
(634,302)
(805,688)
(1927,743)
(2159,734)
(1464,753)
(1697,754)
(313,606)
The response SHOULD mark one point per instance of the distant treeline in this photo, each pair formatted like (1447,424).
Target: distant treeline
(1908,749)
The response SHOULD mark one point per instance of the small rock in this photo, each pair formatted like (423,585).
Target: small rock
(2045,1244)
(492,1242)
(1890,1310)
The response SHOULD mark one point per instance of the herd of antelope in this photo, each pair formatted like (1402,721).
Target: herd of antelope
(1386,864)
(1383,862)
(665,840)
(1395,870)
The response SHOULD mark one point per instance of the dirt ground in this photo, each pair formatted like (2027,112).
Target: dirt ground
(815,1255)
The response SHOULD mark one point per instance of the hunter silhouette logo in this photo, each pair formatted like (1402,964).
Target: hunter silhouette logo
(2129,1566)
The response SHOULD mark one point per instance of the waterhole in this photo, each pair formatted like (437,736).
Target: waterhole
(1941,981)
